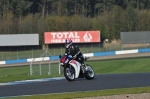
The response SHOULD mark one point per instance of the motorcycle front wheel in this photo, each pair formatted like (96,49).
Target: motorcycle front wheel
(89,73)
(69,73)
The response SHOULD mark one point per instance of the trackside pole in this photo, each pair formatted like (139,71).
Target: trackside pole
(59,68)
(40,66)
(49,73)
(31,70)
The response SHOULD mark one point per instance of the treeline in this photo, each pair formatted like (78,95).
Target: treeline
(109,16)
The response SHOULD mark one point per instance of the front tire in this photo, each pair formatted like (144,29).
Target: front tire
(89,73)
(69,73)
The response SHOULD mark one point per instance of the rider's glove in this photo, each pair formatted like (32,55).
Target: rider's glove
(75,56)
(70,56)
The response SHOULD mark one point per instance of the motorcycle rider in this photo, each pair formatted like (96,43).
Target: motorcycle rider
(75,52)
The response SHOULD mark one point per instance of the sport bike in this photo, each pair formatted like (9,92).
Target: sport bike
(72,69)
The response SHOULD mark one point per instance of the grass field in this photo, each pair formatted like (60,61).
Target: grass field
(136,65)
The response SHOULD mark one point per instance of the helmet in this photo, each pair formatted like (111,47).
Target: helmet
(68,42)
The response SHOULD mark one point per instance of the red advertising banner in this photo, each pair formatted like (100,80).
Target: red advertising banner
(76,36)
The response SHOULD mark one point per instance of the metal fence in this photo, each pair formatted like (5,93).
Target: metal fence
(45,69)
(38,70)
(60,49)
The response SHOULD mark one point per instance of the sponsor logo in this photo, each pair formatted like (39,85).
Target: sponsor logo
(60,35)
(75,36)
(87,37)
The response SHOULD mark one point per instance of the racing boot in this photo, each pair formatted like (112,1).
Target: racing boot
(85,67)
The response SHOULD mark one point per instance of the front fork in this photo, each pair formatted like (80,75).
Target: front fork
(70,69)
(83,69)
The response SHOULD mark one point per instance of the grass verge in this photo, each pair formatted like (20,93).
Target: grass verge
(135,65)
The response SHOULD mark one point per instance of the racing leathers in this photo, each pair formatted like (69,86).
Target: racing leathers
(76,53)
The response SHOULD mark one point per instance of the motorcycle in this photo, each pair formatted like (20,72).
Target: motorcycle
(72,69)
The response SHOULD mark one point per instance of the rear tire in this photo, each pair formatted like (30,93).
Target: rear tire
(89,73)
(69,74)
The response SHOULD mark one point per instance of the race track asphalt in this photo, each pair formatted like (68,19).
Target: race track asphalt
(100,82)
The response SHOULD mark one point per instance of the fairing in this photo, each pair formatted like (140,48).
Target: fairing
(76,66)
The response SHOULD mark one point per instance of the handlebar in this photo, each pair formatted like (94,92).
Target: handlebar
(87,58)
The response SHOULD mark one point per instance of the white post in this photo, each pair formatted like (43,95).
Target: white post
(40,69)
(59,68)
(31,70)
(40,66)
(49,69)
